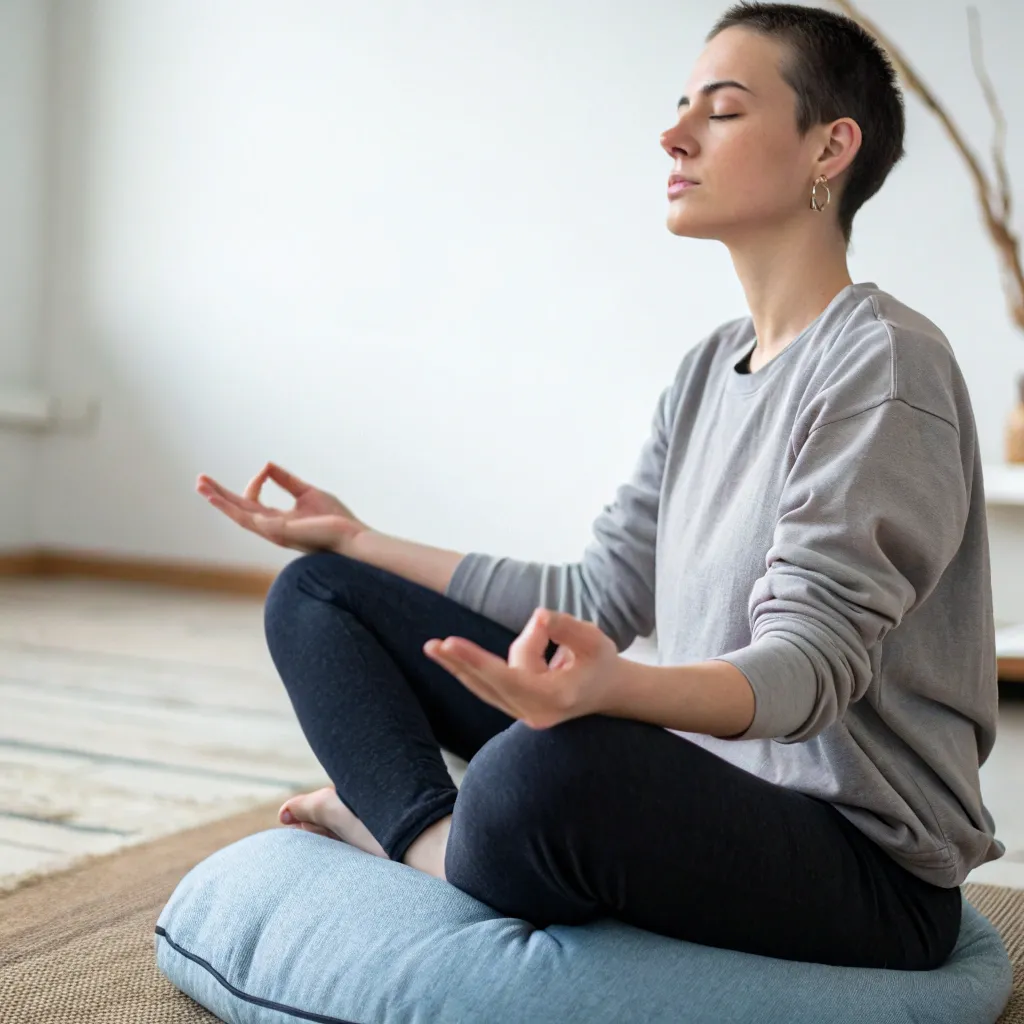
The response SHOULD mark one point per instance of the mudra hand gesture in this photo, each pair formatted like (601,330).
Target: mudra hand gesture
(318,522)
(581,678)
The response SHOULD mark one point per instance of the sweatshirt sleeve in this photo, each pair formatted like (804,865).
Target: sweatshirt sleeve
(612,585)
(872,512)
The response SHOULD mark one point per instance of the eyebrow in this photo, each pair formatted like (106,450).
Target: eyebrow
(711,87)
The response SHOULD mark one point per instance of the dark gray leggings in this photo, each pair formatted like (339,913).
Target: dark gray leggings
(597,816)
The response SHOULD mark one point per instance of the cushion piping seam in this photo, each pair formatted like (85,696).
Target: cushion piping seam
(258,1000)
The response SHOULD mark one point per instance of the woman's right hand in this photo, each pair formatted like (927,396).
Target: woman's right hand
(318,522)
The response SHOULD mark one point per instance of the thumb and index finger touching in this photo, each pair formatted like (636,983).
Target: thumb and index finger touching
(307,532)
(289,481)
(245,507)
(545,624)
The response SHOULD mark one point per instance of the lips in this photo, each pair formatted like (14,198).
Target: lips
(677,185)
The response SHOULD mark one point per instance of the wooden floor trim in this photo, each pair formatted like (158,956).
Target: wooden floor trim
(1011,670)
(191,575)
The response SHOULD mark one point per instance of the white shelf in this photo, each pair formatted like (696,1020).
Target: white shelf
(1004,483)
(29,409)
(1010,641)
(24,408)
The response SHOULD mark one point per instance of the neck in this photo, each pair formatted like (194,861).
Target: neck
(788,278)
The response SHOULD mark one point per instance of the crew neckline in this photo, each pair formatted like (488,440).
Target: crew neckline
(753,380)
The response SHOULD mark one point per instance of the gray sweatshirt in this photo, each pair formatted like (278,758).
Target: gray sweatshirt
(820,524)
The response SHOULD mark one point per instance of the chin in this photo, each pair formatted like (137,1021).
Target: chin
(689,227)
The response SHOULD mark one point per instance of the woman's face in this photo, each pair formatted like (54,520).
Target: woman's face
(738,142)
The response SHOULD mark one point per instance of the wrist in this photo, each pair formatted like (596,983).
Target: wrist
(353,544)
(620,694)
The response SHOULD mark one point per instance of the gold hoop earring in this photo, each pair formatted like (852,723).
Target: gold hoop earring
(815,203)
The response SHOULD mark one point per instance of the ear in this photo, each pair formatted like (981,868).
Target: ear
(840,146)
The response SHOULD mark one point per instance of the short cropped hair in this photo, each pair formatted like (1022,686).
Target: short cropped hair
(836,69)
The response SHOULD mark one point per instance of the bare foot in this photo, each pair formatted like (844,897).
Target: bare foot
(324,813)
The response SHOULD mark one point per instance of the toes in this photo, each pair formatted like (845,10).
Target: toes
(297,808)
(319,830)
(308,826)
(310,811)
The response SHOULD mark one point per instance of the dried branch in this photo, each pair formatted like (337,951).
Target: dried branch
(999,138)
(995,199)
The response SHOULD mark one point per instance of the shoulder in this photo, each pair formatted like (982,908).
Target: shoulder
(884,350)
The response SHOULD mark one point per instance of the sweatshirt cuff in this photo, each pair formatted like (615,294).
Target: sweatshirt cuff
(457,582)
(784,685)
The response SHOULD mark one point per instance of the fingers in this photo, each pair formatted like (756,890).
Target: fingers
(527,650)
(252,490)
(234,507)
(474,681)
(232,511)
(289,481)
(250,498)
(562,657)
(210,488)
(479,659)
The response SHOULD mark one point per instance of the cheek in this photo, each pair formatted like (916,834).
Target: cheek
(757,169)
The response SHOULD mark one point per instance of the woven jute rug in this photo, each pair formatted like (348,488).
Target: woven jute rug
(78,946)
(1005,909)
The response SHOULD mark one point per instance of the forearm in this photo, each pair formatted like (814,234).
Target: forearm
(710,697)
(429,566)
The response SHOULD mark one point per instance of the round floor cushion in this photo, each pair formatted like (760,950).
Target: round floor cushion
(286,925)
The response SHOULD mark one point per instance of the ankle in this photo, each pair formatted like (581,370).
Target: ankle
(426,851)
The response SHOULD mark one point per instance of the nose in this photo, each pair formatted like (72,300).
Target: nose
(679,141)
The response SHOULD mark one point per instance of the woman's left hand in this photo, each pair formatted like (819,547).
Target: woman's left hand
(582,675)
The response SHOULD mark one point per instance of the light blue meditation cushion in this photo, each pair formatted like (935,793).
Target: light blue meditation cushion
(287,925)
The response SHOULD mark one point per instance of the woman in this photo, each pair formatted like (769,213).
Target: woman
(798,775)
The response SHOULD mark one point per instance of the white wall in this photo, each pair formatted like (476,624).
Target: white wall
(416,253)
(23,97)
